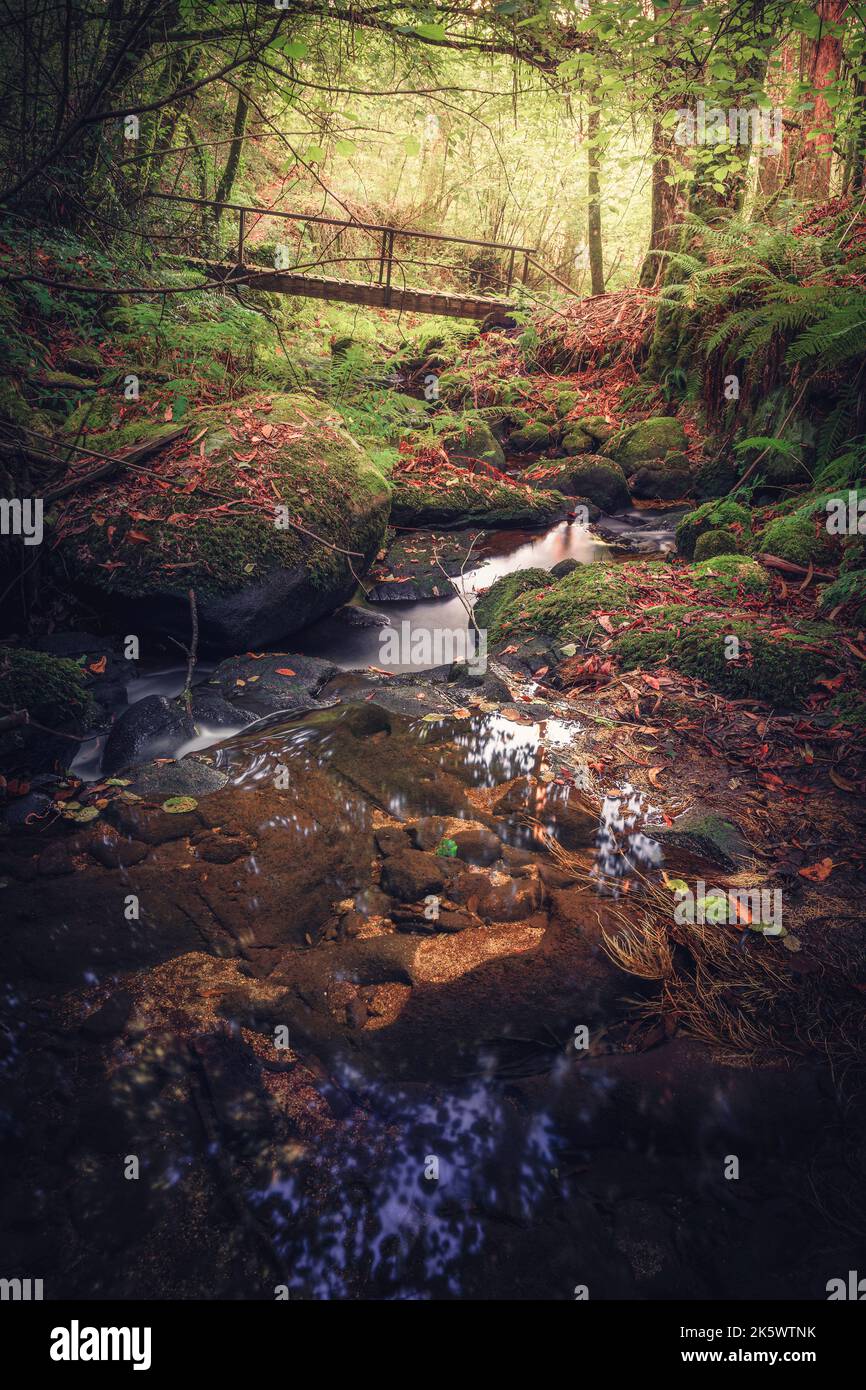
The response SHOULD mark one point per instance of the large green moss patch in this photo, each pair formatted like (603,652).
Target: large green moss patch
(219,525)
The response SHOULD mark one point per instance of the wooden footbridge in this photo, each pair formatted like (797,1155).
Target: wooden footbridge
(395,250)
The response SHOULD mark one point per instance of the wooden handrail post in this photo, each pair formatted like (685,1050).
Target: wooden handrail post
(510,272)
(389,262)
(241,221)
(525,267)
(382,254)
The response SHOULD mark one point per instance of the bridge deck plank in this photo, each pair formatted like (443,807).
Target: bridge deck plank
(398,298)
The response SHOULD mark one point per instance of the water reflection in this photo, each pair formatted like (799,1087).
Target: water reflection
(500,553)
(400,1201)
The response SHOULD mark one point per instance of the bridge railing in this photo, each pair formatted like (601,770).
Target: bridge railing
(386,259)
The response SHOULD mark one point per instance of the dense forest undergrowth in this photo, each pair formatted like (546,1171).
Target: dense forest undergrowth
(616,531)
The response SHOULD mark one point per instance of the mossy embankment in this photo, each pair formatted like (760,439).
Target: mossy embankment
(714,621)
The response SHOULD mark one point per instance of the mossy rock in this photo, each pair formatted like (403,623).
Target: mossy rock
(711,516)
(598,429)
(255,579)
(801,537)
(727,575)
(475,440)
(499,596)
(565,609)
(52,689)
(15,410)
(473,500)
(84,358)
(108,422)
(777,667)
(513,391)
(590,476)
(714,478)
(712,543)
(503,418)
(564,403)
(708,835)
(774,418)
(647,440)
(664,480)
(849,590)
(575,440)
(531,439)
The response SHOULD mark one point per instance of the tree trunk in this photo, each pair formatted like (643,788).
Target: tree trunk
(774,172)
(593,214)
(823,60)
(667,207)
(230,171)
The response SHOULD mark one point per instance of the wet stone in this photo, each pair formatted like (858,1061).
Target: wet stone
(391,841)
(115,851)
(54,862)
(411,875)
(429,831)
(477,846)
(189,777)
(109,1019)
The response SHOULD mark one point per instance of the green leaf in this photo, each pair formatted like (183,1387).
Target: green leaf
(430,31)
(345,147)
(315,154)
(293,49)
(447,849)
(176,805)
(412,145)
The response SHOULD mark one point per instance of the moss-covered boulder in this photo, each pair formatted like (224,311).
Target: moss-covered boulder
(532,439)
(719,542)
(591,476)
(455,386)
(564,403)
(575,440)
(726,576)
(585,435)
(647,440)
(53,690)
(664,479)
(500,595)
(460,498)
(502,419)
(474,440)
(763,663)
(567,609)
(712,516)
(776,418)
(800,537)
(256,521)
(848,592)
(714,478)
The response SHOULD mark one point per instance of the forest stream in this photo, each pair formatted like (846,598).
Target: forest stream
(432,669)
